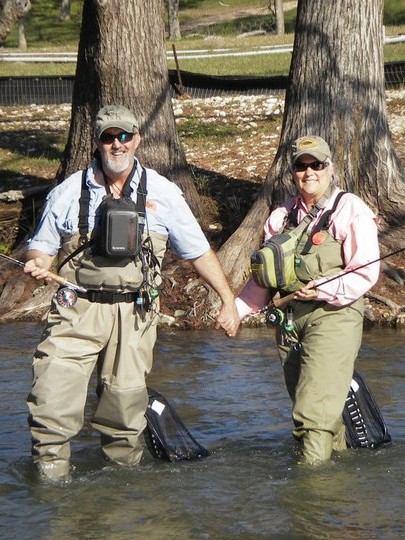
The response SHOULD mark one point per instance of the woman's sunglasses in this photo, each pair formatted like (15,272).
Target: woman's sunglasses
(299,166)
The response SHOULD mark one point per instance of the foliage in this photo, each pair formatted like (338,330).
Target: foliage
(43,27)
(195,129)
(251,23)
(45,31)
(394,12)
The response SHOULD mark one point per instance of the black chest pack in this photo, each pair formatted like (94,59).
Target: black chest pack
(120,221)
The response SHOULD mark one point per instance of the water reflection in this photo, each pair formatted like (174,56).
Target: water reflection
(231,395)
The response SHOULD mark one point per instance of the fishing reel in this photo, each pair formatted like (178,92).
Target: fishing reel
(277,317)
(274,316)
(66,297)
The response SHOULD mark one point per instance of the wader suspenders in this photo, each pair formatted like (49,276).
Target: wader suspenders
(84,201)
(293,215)
(323,223)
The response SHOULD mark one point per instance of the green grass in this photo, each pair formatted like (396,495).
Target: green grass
(45,32)
(193,128)
(44,29)
(394,13)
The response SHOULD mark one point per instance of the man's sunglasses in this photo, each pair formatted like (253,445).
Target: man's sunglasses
(299,166)
(123,137)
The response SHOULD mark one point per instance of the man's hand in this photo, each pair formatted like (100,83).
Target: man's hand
(38,269)
(228,319)
(209,268)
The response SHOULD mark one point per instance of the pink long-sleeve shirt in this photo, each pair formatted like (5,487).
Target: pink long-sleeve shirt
(355,225)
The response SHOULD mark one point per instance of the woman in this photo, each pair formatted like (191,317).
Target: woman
(320,342)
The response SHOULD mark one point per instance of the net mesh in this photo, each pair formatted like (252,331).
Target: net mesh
(365,425)
(166,435)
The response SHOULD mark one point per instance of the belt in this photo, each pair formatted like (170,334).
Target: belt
(110,297)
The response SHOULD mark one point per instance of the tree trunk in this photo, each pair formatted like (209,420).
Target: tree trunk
(10,13)
(173,18)
(22,41)
(336,90)
(64,13)
(279,17)
(122,59)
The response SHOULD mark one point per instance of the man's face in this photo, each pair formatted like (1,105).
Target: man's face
(117,149)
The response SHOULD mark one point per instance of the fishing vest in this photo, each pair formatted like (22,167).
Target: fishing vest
(295,256)
(79,263)
(318,254)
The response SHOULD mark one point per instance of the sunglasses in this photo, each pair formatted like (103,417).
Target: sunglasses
(299,166)
(123,137)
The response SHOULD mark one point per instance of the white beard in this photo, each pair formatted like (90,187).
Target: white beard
(115,166)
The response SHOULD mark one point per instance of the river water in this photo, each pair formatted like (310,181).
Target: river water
(231,396)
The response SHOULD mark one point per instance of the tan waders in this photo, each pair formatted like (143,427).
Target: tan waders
(318,353)
(112,337)
(318,361)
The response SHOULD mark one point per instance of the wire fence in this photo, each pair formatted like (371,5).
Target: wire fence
(56,90)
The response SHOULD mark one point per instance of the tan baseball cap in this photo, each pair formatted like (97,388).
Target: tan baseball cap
(115,116)
(312,145)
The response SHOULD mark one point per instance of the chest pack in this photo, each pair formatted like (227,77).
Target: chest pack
(273,265)
(120,221)
(118,232)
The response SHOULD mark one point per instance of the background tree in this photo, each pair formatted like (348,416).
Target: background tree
(276,7)
(173,18)
(279,9)
(336,90)
(10,12)
(22,40)
(64,10)
(122,59)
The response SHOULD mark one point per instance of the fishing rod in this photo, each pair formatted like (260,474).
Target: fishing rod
(281,303)
(67,295)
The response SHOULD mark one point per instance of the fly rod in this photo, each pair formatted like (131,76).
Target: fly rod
(280,303)
(54,277)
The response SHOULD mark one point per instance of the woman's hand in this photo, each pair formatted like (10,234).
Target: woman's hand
(307,293)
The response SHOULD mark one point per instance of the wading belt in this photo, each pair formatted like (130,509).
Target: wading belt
(109,297)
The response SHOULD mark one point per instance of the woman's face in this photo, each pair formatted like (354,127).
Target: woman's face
(312,177)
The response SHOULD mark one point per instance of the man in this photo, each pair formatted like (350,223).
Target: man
(111,246)
(321,327)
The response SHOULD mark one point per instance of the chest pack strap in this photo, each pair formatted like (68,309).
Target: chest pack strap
(323,223)
(84,202)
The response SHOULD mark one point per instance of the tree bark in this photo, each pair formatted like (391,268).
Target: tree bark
(336,90)
(122,59)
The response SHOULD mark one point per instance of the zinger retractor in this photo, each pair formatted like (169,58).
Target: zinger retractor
(289,322)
